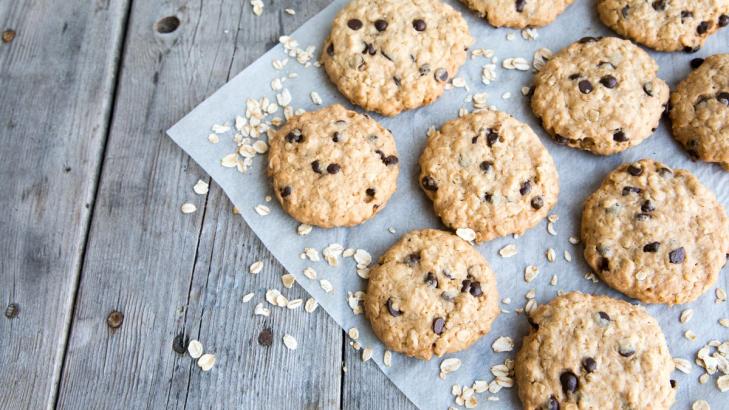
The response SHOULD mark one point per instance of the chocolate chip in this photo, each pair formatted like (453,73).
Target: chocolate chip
(429,184)
(424,69)
(574,76)
(604,264)
(431,280)
(441,74)
(642,216)
(394,312)
(385,55)
(380,25)
(659,5)
(390,160)
(488,197)
(648,89)
(569,382)
(294,136)
(354,24)
(520,5)
(179,343)
(537,202)
(265,338)
(492,137)
(619,136)
(585,40)
(413,258)
(526,187)
(335,137)
(673,383)
(486,166)
(723,20)
(689,49)
(330,50)
(723,97)
(370,191)
(635,170)
(369,48)
(703,27)
(285,191)
(628,189)
(333,168)
(532,323)
(696,62)
(552,403)
(677,255)
(466,286)
(419,25)
(438,325)
(589,364)
(652,247)
(476,289)
(316,167)
(626,351)
(609,81)
(686,14)
(585,86)
(625,11)
(647,206)
(397,81)
(561,139)
(604,316)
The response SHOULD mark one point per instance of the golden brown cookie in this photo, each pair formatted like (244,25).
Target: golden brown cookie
(518,13)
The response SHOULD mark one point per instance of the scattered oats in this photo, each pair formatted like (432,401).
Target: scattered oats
(686,315)
(247,298)
(355,345)
(471,402)
(553,218)
(353,333)
(284,98)
(573,240)
(503,344)
(530,273)
(510,36)
(529,34)
(201,187)
(482,52)
(354,300)
(723,383)
(213,138)
(188,208)
(450,365)
(479,100)
(256,267)
(550,229)
(230,160)
(219,129)
(290,12)
(700,405)
(682,365)
(387,358)
(195,349)
(366,354)
(480,386)
(262,210)
(516,63)
(326,285)
(331,253)
(459,82)
(304,229)
(508,251)
(261,310)
(541,56)
(720,295)
(551,255)
(554,280)
(268,198)
(724,322)
(704,378)
(206,362)
(295,304)
(525,91)
(463,111)
(260,147)
(362,257)
(312,254)
(315,98)
(506,301)
(456,390)
(310,273)
(290,342)
(488,73)
(690,335)
(467,234)
(363,273)
(591,277)
(276,84)
(392,230)
(567,256)
(506,95)
(280,64)
(288,280)
(531,294)
(530,306)
(311,305)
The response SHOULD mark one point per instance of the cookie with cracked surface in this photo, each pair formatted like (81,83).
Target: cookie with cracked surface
(518,13)
(594,352)
(488,172)
(600,94)
(655,234)
(431,293)
(394,55)
(700,111)
(665,25)
(333,167)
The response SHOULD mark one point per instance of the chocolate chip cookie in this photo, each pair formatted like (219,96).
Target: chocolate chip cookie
(594,352)
(393,55)
(518,13)
(654,233)
(600,94)
(333,167)
(488,172)
(665,25)
(431,293)
(700,111)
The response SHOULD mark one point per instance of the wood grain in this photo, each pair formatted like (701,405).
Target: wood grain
(57,78)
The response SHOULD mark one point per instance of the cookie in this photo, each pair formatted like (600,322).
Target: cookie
(393,55)
(594,352)
(665,25)
(600,94)
(431,293)
(700,111)
(333,167)
(488,172)
(655,234)
(518,13)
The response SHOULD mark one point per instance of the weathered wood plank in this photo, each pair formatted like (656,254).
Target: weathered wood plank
(57,78)
(170,273)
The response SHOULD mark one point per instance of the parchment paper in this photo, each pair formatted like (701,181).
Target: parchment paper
(580,173)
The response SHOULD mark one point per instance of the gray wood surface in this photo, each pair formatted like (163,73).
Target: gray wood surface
(57,80)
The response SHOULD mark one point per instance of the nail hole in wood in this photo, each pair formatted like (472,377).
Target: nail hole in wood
(8,36)
(115,319)
(11,312)
(167,25)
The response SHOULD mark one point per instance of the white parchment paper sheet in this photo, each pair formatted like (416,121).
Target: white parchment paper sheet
(580,173)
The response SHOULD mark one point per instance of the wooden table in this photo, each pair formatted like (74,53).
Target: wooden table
(100,265)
